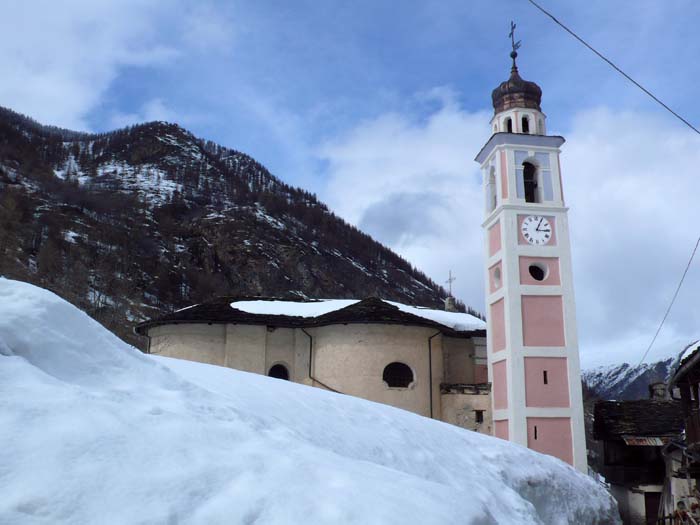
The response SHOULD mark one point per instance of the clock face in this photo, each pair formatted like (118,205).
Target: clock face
(536,229)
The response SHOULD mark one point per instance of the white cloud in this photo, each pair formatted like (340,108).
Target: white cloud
(207,28)
(59,58)
(630,180)
(413,185)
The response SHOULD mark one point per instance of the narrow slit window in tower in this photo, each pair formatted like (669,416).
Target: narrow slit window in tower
(535,431)
(509,125)
(544,377)
(492,194)
(530,182)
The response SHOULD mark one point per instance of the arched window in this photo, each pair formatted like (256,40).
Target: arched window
(491,193)
(509,125)
(530,182)
(398,375)
(279,371)
(526,124)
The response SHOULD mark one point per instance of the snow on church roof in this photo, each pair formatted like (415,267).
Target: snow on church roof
(455,320)
(308,313)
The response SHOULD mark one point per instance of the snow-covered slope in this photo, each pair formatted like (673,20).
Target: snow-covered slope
(93,431)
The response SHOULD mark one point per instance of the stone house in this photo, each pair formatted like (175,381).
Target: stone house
(431,362)
(635,436)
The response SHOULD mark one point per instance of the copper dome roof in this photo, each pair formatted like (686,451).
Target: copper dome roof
(516,93)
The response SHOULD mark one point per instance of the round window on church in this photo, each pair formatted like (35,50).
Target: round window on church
(538,271)
(279,371)
(398,375)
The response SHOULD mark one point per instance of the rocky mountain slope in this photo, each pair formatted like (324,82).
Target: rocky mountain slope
(624,382)
(132,223)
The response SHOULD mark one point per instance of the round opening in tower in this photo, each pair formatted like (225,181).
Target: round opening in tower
(497,277)
(538,271)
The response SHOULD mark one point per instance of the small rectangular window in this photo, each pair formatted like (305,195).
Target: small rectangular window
(479,415)
(544,377)
(535,431)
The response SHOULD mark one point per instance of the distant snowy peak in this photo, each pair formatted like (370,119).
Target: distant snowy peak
(627,382)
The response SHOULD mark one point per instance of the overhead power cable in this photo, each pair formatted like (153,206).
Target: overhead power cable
(673,300)
(616,68)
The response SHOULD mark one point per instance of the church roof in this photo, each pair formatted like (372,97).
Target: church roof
(300,313)
(642,418)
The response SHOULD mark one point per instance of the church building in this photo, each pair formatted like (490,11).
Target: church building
(431,362)
(517,378)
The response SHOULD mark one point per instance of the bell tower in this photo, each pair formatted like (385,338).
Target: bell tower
(532,346)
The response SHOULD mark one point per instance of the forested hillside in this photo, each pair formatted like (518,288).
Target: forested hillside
(133,223)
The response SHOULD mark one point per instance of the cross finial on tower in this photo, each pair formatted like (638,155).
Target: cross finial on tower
(449,282)
(516,45)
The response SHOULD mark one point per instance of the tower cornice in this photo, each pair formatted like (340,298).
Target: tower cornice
(517,139)
(522,208)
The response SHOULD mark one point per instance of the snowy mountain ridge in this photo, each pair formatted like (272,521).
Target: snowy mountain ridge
(624,382)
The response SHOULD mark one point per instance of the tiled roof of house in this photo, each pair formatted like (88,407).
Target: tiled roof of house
(646,417)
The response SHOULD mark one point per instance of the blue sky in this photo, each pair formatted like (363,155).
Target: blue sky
(379,107)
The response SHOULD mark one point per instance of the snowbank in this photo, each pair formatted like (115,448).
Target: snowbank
(95,432)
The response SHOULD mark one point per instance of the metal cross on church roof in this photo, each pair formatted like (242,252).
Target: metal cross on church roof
(516,45)
(449,282)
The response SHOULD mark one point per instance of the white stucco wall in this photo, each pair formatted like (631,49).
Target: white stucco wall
(458,355)
(351,359)
(347,358)
(195,342)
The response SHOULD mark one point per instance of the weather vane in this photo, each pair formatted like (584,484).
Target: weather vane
(449,282)
(516,45)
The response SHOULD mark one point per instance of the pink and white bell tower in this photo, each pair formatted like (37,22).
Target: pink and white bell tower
(532,345)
